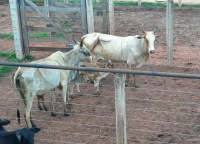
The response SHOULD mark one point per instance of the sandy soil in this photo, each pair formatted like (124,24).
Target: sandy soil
(161,110)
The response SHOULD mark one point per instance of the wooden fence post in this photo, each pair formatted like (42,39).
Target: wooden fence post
(120,107)
(24,27)
(48,3)
(180,3)
(169,32)
(111,17)
(17,32)
(90,18)
(139,2)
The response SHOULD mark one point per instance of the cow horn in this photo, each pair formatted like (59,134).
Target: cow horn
(142,28)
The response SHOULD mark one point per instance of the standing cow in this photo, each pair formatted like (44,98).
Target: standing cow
(132,49)
(36,81)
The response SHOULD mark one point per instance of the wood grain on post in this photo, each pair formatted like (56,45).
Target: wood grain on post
(120,107)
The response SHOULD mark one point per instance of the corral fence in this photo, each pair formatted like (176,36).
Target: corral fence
(172,121)
(58,19)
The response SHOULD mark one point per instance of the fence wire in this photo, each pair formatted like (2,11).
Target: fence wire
(161,110)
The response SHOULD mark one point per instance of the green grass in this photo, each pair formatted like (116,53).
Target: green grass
(11,57)
(6,36)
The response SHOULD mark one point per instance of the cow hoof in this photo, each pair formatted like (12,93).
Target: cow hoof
(53,114)
(80,94)
(40,108)
(46,109)
(67,114)
(97,93)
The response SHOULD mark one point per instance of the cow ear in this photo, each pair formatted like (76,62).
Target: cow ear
(140,37)
(156,36)
(35,129)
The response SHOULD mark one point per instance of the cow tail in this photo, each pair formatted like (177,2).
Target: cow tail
(16,80)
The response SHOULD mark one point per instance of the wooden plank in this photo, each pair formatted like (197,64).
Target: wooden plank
(105,16)
(23,26)
(53,9)
(16,26)
(54,49)
(111,17)
(169,32)
(90,17)
(120,108)
(66,5)
(50,21)
(84,17)
(52,29)
(50,39)
(54,19)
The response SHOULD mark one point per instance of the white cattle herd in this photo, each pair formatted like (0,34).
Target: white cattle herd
(31,82)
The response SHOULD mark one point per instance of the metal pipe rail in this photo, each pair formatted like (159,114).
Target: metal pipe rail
(91,69)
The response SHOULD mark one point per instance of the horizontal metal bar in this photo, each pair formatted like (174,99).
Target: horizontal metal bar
(91,69)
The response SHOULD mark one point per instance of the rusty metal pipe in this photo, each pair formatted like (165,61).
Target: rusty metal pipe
(91,69)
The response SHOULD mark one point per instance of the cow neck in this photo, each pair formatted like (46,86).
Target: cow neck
(146,44)
(71,57)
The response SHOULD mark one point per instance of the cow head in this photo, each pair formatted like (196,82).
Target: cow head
(149,38)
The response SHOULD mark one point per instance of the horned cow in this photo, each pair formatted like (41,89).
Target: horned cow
(134,50)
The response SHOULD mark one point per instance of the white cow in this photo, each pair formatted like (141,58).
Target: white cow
(36,81)
(132,49)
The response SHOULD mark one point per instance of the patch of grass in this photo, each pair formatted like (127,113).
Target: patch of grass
(153,5)
(6,36)
(66,26)
(191,5)
(36,35)
(127,3)
(11,57)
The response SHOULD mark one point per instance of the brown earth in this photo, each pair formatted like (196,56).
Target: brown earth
(161,110)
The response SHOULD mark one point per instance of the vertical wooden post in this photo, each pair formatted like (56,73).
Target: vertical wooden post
(48,3)
(111,18)
(139,2)
(84,16)
(169,33)
(17,32)
(90,18)
(180,3)
(108,17)
(24,26)
(105,16)
(120,106)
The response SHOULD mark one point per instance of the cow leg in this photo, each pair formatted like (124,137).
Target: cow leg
(71,91)
(53,99)
(132,67)
(96,85)
(78,89)
(44,106)
(39,102)
(66,100)
(29,103)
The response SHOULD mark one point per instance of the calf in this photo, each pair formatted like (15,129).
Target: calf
(20,136)
(96,76)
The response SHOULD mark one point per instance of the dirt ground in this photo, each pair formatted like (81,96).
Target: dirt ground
(161,110)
